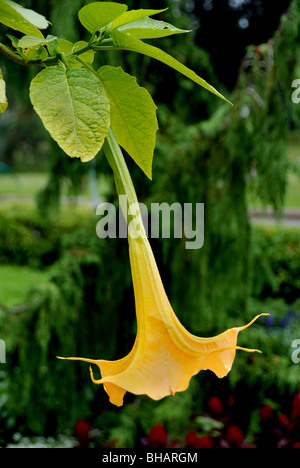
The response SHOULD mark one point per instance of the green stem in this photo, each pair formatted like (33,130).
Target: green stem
(124,184)
(118,165)
(4,50)
(50,61)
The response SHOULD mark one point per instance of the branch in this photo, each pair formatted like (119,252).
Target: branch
(15,57)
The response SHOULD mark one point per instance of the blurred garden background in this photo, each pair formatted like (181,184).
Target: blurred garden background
(64,291)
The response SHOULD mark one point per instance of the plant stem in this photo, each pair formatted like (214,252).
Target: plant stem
(124,184)
(50,61)
(4,50)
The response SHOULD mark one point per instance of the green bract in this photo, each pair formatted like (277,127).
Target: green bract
(74,109)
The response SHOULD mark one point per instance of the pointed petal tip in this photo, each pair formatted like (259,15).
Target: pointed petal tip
(95,381)
(248,350)
(253,320)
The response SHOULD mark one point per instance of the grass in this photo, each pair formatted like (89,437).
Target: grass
(16,282)
(292,199)
(294,146)
(29,184)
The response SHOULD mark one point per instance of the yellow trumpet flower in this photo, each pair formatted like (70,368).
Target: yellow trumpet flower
(165,355)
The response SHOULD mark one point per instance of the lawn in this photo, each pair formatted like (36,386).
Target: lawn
(29,184)
(16,282)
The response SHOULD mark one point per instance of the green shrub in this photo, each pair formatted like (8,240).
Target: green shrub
(275,263)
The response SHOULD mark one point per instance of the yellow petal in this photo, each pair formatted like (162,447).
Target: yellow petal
(165,355)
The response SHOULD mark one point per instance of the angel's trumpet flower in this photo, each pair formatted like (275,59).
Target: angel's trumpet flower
(165,355)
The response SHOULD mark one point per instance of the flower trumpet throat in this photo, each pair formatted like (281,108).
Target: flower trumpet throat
(165,356)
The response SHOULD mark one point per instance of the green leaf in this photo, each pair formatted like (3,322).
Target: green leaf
(64,46)
(133,15)
(13,39)
(124,42)
(148,28)
(33,17)
(3,98)
(73,107)
(31,41)
(67,48)
(133,115)
(95,16)
(87,56)
(18,18)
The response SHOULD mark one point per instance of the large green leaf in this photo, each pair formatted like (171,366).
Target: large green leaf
(133,115)
(133,15)
(95,16)
(124,42)
(3,98)
(148,28)
(74,109)
(21,19)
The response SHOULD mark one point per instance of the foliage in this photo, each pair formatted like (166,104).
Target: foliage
(63,314)
(275,264)
(214,162)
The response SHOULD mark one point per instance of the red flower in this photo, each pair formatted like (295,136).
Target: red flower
(157,437)
(234,435)
(266,412)
(205,442)
(296,406)
(192,440)
(82,430)
(215,406)
(283,419)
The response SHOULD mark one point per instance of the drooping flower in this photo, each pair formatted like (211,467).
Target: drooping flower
(165,356)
